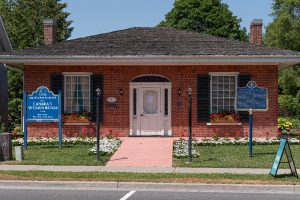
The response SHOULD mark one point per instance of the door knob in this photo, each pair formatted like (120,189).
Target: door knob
(142,114)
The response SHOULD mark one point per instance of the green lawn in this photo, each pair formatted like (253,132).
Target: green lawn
(231,156)
(67,155)
(146,177)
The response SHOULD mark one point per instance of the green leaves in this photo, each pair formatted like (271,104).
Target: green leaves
(23,21)
(207,16)
(284,32)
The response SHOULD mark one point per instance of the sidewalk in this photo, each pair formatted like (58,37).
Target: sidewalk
(143,152)
(138,169)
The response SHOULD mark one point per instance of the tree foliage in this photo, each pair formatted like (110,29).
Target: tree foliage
(23,20)
(284,32)
(207,16)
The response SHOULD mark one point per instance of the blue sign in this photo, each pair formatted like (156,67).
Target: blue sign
(252,97)
(42,105)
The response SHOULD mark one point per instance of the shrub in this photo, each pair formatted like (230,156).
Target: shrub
(288,106)
(284,124)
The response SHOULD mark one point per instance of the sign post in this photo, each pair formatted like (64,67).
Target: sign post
(251,98)
(250,131)
(98,91)
(42,106)
(190,125)
(24,118)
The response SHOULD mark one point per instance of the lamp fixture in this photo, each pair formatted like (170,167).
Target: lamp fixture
(179,92)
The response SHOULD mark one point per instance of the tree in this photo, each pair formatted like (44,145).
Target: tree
(284,32)
(207,16)
(23,21)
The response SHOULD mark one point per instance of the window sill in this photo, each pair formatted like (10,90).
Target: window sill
(76,124)
(224,124)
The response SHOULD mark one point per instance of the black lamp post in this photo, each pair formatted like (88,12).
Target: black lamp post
(190,125)
(98,92)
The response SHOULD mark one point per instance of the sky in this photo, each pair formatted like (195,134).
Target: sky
(92,17)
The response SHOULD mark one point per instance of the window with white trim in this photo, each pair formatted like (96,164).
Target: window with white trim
(77,93)
(223,93)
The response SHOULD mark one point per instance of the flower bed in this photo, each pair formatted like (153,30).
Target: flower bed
(54,141)
(107,146)
(180,147)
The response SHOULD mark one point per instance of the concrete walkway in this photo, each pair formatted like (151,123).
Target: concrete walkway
(138,169)
(143,152)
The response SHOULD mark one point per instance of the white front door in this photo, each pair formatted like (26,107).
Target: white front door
(150,109)
(151,120)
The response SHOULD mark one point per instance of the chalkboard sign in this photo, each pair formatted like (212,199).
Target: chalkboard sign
(252,97)
(42,105)
(283,147)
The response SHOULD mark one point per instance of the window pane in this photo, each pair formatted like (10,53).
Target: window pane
(214,86)
(220,86)
(220,93)
(214,109)
(223,93)
(166,103)
(214,94)
(77,92)
(134,101)
(226,94)
(220,79)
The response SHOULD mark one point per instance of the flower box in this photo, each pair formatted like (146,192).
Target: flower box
(224,117)
(223,121)
(76,120)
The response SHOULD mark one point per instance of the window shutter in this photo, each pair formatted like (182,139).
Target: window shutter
(203,97)
(243,79)
(57,84)
(96,82)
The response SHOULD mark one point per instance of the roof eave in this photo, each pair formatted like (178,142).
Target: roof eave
(19,61)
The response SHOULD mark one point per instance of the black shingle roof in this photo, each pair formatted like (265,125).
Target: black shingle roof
(151,42)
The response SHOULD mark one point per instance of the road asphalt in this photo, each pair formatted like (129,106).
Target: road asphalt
(138,169)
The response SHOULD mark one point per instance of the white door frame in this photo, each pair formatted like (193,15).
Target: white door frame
(135,119)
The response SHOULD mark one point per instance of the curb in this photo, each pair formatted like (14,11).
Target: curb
(141,186)
(168,170)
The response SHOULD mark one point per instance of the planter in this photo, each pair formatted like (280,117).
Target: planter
(77,121)
(223,121)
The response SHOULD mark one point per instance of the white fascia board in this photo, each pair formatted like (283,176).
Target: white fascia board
(179,60)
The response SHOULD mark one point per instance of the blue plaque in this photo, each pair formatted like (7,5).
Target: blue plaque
(252,97)
(42,105)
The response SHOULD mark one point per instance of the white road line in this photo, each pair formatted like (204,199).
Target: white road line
(127,195)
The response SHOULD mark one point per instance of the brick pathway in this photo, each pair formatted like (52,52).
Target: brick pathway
(143,152)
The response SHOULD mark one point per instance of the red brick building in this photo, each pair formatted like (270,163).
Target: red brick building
(144,75)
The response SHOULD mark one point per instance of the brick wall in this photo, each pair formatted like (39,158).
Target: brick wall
(183,77)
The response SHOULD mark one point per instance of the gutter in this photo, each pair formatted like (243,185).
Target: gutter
(18,61)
